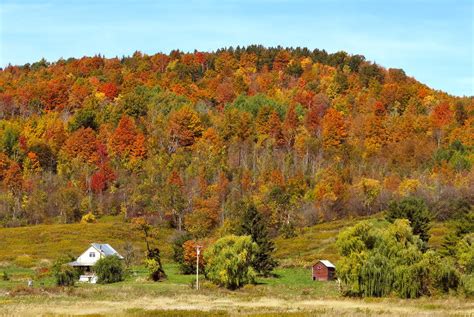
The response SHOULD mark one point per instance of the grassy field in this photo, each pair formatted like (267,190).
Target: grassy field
(290,293)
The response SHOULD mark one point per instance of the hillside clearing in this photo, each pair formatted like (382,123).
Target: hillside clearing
(52,241)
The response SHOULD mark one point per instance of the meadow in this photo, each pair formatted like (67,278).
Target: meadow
(291,292)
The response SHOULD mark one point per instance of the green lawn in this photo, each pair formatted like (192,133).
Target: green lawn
(290,293)
(287,282)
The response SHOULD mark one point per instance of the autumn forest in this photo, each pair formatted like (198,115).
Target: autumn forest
(184,139)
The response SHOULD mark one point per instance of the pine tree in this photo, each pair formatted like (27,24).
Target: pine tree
(461,224)
(415,210)
(254,226)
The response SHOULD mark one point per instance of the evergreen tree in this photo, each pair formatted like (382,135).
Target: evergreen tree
(416,211)
(253,225)
(178,253)
(461,224)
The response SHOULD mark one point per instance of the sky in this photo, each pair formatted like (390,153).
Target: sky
(431,40)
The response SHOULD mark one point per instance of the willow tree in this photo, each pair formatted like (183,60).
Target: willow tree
(384,259)
(229,261)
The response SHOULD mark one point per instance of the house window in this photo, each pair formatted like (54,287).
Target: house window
(92,254)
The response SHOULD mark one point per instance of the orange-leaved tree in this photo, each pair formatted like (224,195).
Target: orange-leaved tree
(334,130)
(185,126)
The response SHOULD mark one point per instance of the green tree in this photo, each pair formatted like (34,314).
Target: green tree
(84,118)
(178,252)
(135,103)
(229,261)
(9,140)
(465,254)
(109,269)
(385,259)
(461,224)
(253,225)
(415,210)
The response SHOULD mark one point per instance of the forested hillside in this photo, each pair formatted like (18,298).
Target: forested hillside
(185,138)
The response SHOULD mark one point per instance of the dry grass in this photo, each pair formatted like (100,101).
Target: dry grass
(319,242)
(232,306)
(313,243)
(52,241)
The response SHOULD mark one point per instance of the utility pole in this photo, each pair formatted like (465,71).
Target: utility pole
(198,251)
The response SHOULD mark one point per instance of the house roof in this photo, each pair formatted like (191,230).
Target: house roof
(327,263)
(106,249)
(75,263)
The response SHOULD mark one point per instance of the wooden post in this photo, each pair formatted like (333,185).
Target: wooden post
(198,251)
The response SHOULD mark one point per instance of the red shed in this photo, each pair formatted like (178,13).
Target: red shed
(323,270)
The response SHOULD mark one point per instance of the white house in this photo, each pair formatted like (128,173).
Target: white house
(87,260)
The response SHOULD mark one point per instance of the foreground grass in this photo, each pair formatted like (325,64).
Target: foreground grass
(215,305)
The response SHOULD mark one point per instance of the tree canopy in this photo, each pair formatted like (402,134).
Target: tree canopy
(181,138)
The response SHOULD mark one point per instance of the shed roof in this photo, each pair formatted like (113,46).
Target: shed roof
(327,263)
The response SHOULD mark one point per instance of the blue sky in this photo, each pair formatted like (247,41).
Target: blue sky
(431,40)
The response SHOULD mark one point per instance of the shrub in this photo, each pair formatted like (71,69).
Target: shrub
(21,290)
(153,264)
(42,269)
(5,276)
(88,218)
(109,269)
(24,261)
(64,274)
(446,277)
(468,285)
(188,265)
(229,261)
